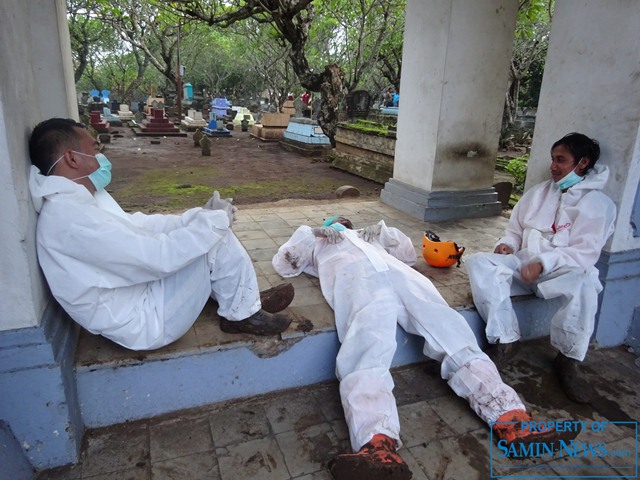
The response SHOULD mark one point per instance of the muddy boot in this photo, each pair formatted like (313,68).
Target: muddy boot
(260,323)
(573,385)
(277,298)
(510,433)
(501,354)
(376,460)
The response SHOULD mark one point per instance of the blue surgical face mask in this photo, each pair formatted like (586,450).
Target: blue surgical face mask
(338,226)
(102,176)
(569,180)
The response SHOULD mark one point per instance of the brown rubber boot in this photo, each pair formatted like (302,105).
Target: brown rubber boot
(376,460)
(277,298)
(509,428)
(260,323)
(501,354)
(574,386)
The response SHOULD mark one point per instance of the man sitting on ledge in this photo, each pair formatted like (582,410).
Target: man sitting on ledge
(550,248)
(139,280)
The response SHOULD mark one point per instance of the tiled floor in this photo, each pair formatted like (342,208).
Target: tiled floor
(293,434)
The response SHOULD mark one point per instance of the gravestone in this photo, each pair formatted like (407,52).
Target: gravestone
(315,108)
(205,144)
(197,136)
(298,105)
(358,103)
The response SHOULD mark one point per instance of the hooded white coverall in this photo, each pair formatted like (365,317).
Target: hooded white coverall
(139,280)
(371,288)
(565,232)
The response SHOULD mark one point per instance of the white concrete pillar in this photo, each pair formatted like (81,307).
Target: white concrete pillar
(37,340)
(455,68)
(591,85)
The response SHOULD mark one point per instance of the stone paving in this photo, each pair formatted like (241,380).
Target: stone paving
(293,434)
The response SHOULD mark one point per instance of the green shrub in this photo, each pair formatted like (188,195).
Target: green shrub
(517,167)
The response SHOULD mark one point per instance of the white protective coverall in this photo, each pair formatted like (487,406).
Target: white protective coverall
(565,232)
(139,280)
(371,288)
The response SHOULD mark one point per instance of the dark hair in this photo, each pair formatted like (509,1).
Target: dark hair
(49,138)
(580,146)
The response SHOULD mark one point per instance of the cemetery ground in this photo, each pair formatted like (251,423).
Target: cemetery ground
(173,175)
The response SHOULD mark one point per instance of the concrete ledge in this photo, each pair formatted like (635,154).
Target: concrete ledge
(115,392)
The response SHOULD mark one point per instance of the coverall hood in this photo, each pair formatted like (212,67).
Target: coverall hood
(46,187)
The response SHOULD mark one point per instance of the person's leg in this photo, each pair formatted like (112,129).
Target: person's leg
(469,372)
(235,287)
(366,325)
(491,277)
(572,325)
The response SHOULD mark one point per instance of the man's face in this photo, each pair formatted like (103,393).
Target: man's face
(562,162)
(345,221)
(89,146)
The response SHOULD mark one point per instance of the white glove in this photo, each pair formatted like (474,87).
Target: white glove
(216,203)
(370,233)
(331,234)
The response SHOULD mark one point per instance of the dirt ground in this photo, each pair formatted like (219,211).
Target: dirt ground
(174,175)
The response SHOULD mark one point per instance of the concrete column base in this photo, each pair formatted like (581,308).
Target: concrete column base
(39,400)
(438,206)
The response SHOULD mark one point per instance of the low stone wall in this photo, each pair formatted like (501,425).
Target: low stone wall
(365,154)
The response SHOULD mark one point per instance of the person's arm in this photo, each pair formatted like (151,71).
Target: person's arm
(296,255)
(123,254)
(590,230)
(392,240)
(511,240)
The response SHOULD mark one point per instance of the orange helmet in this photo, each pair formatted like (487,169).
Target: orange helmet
(440,254)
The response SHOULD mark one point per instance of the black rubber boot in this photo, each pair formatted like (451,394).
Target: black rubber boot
(501,354)
(260,323)
(574,386)
(277,298)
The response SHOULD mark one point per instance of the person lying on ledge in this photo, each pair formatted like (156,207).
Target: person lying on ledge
(366,277)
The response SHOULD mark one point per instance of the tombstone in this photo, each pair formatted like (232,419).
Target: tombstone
(205,144)
(298,105)
(358,103)
(315,108)
(197,136)
(105,96)
(94,93)
(503,189)
(115,106)
(139,116)
(85,98)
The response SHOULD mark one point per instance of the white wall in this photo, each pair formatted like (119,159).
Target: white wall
(592,85)
(30,91)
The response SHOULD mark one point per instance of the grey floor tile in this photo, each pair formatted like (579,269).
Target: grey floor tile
(238,423)
(419,382)
(138,473)
(297,410)
(123,447)
(178,438)
(308,450)
(256,460)
(457,414)
(464,457)
(420,424)
(198,466)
